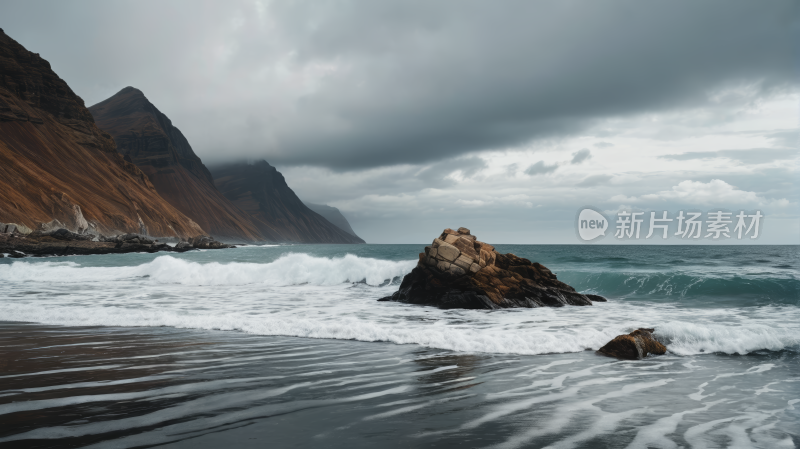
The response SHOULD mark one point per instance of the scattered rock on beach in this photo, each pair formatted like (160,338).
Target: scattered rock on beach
(64,234)
(634,346)
(206,242)
(13,228)
(459,271)
(183,246)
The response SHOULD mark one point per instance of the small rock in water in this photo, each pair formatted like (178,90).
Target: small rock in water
(183,246)
(634,346)
(206,242)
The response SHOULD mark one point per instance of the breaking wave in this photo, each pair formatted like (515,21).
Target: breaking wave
(308,296)
(289,269)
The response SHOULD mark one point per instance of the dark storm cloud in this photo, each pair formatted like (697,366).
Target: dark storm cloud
(748,156)
(406,82)
(465,76)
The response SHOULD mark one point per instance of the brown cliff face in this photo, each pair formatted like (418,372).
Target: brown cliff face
(147,137)
(55,163)
(260,190)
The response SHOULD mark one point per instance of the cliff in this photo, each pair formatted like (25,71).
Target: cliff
(146,136)
(55,163)
(333,215)
(261,191)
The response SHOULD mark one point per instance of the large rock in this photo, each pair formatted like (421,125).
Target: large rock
(634,346)
(458,271)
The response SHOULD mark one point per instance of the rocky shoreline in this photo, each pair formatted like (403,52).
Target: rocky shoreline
(62,242)
(458,271)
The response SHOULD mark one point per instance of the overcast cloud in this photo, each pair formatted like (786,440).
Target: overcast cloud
(472,110)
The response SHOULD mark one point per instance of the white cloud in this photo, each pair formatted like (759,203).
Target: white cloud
(471,203)
(623,198)
(713,192)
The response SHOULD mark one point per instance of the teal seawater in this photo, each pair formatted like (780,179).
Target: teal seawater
(286,346)
(690,276)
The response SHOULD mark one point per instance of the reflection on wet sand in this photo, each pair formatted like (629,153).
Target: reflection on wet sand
(142,387)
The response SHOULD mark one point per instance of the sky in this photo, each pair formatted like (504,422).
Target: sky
(506,117)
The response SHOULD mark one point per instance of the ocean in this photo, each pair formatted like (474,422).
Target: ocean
(286,346)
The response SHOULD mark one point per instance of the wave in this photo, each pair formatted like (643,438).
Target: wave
(506,336)
(155,293)
(738,290)
(289,269)
(341,328)
(685,338)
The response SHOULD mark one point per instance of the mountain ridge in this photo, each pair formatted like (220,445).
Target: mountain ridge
(261,190)
(56,164)
(333,215)
(147,137)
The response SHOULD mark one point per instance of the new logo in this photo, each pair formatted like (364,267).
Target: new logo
(591,224)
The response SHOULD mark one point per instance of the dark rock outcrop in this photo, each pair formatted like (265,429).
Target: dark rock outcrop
(55,163)
(634,346)
(261,190)
(62,242)
(206,242)
(64,234)
(458,271)
(147,137)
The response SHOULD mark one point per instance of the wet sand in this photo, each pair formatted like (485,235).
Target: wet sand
(143,387)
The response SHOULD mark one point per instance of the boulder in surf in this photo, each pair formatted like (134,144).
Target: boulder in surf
(459,271)
(634,346)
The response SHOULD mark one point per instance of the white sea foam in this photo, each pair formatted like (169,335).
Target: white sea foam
(490,336)
(687,338)
(335,326)
(306,296)
(290,269)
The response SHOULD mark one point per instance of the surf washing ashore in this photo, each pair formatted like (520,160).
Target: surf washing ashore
(288,346)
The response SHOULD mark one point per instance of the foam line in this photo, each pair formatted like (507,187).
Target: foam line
(289,269)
